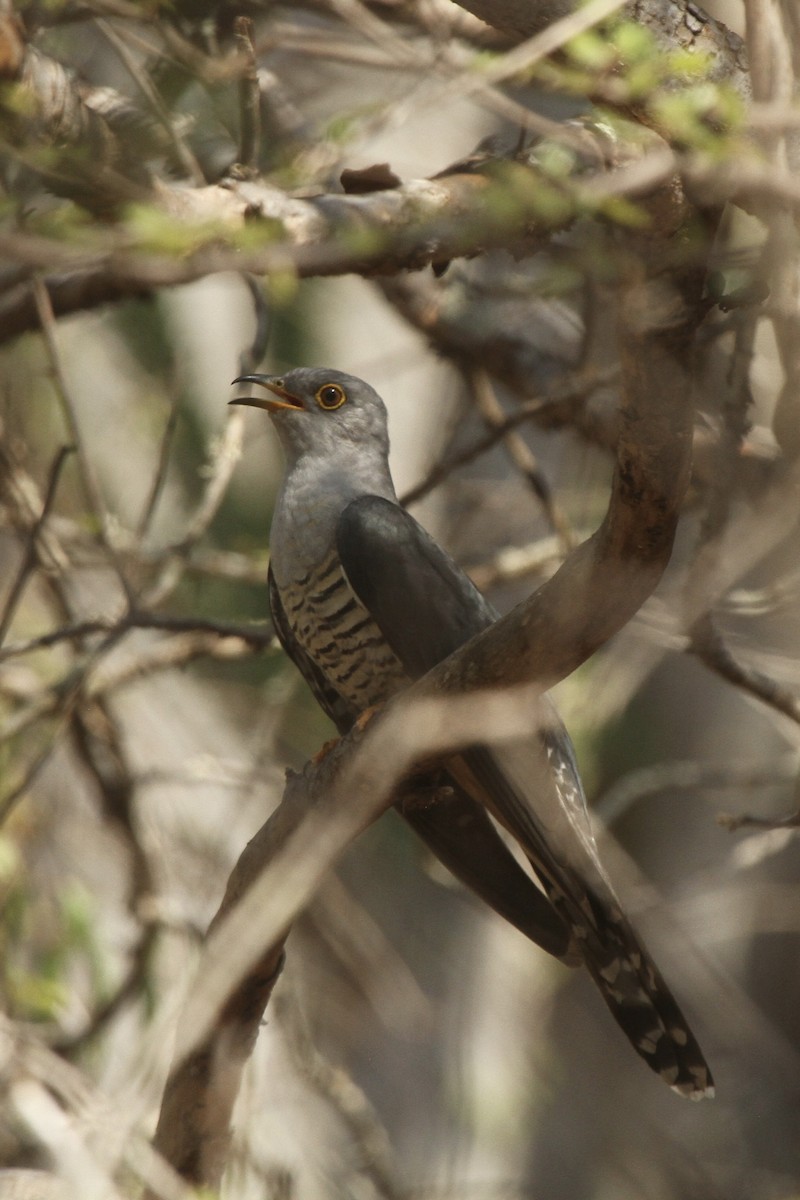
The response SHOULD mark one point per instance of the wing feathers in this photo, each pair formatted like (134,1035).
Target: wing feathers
(424,605)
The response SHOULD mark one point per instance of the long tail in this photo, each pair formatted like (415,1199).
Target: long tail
(556,838)
(632,986)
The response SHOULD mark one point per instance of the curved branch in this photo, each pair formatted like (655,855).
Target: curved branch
(593,594)
(602,584)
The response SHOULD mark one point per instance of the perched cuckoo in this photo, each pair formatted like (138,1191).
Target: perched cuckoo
(364,601)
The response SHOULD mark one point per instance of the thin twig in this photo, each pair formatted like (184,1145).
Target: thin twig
(573,395)
(521,456)
(709,646)
(249,97)
(512,563)
(342,1093)
(256,637)
(253,354)
(30,556)
(225,454)
(47,322)
(91,487)
(160,476)
(748,821)
(182,151)
(690,775)
(9,802)
(133,984)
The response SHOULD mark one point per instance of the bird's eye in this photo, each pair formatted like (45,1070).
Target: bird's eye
(330,396)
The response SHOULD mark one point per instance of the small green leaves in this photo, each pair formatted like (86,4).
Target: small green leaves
(592,51)
(633,42)
(151,229)
(621,64)
(702,117)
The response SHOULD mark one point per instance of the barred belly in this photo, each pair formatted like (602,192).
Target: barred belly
(334,628)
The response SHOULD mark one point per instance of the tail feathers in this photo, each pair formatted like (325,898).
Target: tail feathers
(555,835)
(635,992)
(460,833)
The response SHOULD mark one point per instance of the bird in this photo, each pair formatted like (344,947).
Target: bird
(364,601)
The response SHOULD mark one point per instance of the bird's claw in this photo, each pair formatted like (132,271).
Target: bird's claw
(364,718)
(323,751)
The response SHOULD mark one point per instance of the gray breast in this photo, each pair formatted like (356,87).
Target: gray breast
(336,630)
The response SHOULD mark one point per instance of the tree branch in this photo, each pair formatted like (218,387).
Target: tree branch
(322,811)
(513,205)
(674,22)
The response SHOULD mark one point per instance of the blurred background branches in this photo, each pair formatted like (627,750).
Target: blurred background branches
(448,209)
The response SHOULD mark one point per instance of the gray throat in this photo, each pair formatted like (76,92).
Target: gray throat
(314,494)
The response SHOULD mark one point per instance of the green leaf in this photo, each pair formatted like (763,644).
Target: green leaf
(591,49)
(151,229)
(633,42)
(623,211)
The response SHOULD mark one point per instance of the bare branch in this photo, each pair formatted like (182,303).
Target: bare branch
(323,809)
(608,577)
(710,648)
(160,473)
(689,776)
(423,222)
(225,455)
(183,153)
(349,1101)
(552,412)
(521,457)
(30,557)
(91,487)
(249,97)
(251,635)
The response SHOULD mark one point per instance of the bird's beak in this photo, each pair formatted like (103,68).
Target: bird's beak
(274,384)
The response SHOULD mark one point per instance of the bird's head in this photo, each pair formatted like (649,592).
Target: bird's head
(317,409)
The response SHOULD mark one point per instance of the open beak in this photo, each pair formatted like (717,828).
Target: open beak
(273,383)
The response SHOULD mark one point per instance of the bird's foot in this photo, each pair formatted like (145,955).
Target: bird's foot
(364,718)
(361,723)
(324,751)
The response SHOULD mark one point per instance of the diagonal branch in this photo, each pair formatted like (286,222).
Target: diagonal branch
(323,809)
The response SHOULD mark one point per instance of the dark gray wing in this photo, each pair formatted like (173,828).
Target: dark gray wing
(424,605)
(456,828)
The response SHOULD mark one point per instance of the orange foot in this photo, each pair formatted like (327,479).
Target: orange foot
(364,718)
(361,724)
(323,750)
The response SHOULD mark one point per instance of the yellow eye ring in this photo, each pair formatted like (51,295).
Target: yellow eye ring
(330,396)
